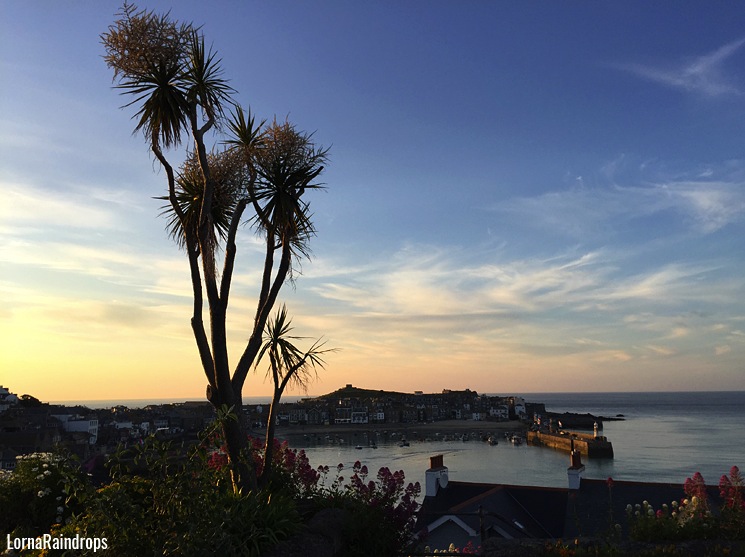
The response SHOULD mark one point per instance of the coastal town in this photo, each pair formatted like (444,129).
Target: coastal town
(28,425)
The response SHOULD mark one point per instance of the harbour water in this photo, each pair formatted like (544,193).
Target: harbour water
(665,437)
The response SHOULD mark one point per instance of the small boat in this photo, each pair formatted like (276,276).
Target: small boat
(358,447)
(492,440)
(403,443)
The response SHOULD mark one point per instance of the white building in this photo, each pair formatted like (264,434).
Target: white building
(72,423)
(500,412)
(7,399)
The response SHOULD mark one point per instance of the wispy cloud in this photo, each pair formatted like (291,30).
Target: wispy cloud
(27,205)
(704,75)
(704,206)
(574,303)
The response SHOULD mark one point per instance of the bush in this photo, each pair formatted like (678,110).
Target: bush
(163,501)
(382,511)
(692,518)
(44,489)
(179,507)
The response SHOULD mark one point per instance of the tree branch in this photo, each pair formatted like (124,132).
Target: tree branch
(230,251)
(262,314)
(197,325)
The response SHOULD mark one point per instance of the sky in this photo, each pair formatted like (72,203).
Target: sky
(521,197)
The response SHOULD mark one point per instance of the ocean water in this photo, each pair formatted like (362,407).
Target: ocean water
(143,402)
(666,437)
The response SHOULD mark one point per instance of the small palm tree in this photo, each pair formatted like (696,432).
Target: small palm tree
(288,365)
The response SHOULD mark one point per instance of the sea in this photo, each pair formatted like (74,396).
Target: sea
(664,437)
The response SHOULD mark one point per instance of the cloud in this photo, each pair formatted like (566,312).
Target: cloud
(703,75)
(712,205)
(26,205)
(704,206)
(428,300)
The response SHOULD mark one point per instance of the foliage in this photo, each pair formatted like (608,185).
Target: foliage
(468,549)
(44,489)
(383,510)
(292,474)
(692,518)
(179,506)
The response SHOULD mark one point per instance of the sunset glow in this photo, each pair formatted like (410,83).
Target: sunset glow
(520,198)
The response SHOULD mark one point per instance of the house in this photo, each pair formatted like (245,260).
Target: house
(73,423)
(7,458)
(499,412)
(343,415)
(7,399)
(461,512)
(359,415)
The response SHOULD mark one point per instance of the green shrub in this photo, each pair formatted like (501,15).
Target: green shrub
(179,507)
(42,490)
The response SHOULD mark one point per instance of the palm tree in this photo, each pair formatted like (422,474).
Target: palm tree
(287,365)
(282,164)
(179,91)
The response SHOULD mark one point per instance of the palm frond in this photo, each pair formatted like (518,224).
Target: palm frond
(286,360)
(286,165)
(246,136)
(163,107)
(203,79)
(230,179)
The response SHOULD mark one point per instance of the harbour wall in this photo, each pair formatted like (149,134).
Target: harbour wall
(588,445)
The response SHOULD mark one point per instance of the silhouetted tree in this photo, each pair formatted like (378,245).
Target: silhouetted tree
(29,401)
(287,365)
(180,95)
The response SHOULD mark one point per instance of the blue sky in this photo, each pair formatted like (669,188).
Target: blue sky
(521,197)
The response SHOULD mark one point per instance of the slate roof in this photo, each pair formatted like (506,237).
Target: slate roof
(511,511)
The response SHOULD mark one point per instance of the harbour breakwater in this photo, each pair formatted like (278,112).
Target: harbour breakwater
(588,445)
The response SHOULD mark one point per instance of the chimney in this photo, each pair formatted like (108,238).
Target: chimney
(574,472)
(436,477)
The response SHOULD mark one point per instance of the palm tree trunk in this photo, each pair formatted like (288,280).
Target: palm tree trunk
(269,441)
(242,470)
